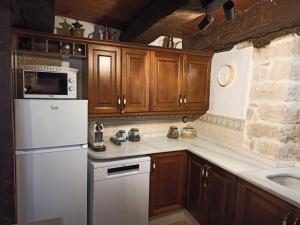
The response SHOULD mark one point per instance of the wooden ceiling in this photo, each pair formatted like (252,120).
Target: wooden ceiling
(114,13)
(138,18)
(191,27)
(142,21)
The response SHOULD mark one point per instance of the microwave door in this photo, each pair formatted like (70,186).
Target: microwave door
(45,85)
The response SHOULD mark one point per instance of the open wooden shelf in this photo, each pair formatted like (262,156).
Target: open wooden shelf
(37,44)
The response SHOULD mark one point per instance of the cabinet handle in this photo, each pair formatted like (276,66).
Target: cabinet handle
(184,99)
(203,172)
(284,222)
(153,166)
(119,102)
(124,104)
(207,172)
(296,221)
(180,100)
(124,100)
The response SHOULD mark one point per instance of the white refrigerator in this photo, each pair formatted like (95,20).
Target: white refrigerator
(51,160)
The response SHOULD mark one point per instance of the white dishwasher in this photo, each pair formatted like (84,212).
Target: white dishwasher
(119,191)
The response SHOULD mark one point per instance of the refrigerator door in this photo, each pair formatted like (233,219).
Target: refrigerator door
(52,184)
(50,123)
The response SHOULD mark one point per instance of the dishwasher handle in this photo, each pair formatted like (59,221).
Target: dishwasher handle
(123,170)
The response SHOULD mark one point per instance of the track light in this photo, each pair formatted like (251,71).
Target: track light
(229,10)
(207,20)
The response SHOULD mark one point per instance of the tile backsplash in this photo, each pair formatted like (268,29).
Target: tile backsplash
(146,124)
(223,129)
(222,121)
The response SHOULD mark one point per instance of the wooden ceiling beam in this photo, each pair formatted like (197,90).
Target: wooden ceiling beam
(252,24)
(181,22)
(156,10)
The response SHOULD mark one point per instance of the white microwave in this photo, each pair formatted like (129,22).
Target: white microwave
(49,82)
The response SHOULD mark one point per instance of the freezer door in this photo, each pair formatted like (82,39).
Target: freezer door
(50,123)
(52,184)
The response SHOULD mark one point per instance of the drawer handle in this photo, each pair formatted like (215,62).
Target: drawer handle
(296,221)
(153,166)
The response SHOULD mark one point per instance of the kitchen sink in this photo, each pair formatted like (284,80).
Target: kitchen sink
(288,181)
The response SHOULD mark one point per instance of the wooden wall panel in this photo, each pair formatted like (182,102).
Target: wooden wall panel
(7,212)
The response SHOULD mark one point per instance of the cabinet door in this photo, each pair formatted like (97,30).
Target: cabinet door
(135,79)
(167,182)
(257,207)
(296,217)
(104,79)
(196,82)
(166,78)
(221,197)
(195,189)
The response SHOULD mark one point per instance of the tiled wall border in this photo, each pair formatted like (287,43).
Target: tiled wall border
(123,120)
(222,121)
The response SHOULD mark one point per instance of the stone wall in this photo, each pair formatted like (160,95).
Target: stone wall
(272,127)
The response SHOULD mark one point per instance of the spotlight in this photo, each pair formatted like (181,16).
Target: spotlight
(229,10)
(207,20)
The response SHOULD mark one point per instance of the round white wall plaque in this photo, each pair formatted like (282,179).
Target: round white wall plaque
(226,75)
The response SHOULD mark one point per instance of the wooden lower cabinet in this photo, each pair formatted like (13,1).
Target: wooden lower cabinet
(167,182)
(257,207)
(211,193)
(296,217)
(221,197)
(195,189)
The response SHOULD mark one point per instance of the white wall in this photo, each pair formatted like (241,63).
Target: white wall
(159,42)
(231,101)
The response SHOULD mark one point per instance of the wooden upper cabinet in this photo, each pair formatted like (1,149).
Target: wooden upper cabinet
(135,79)
(104,79)
(196,81)
(132,81)
(165,81)
(257,207)
(167,182)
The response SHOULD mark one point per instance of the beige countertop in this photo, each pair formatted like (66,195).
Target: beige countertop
(243,164)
